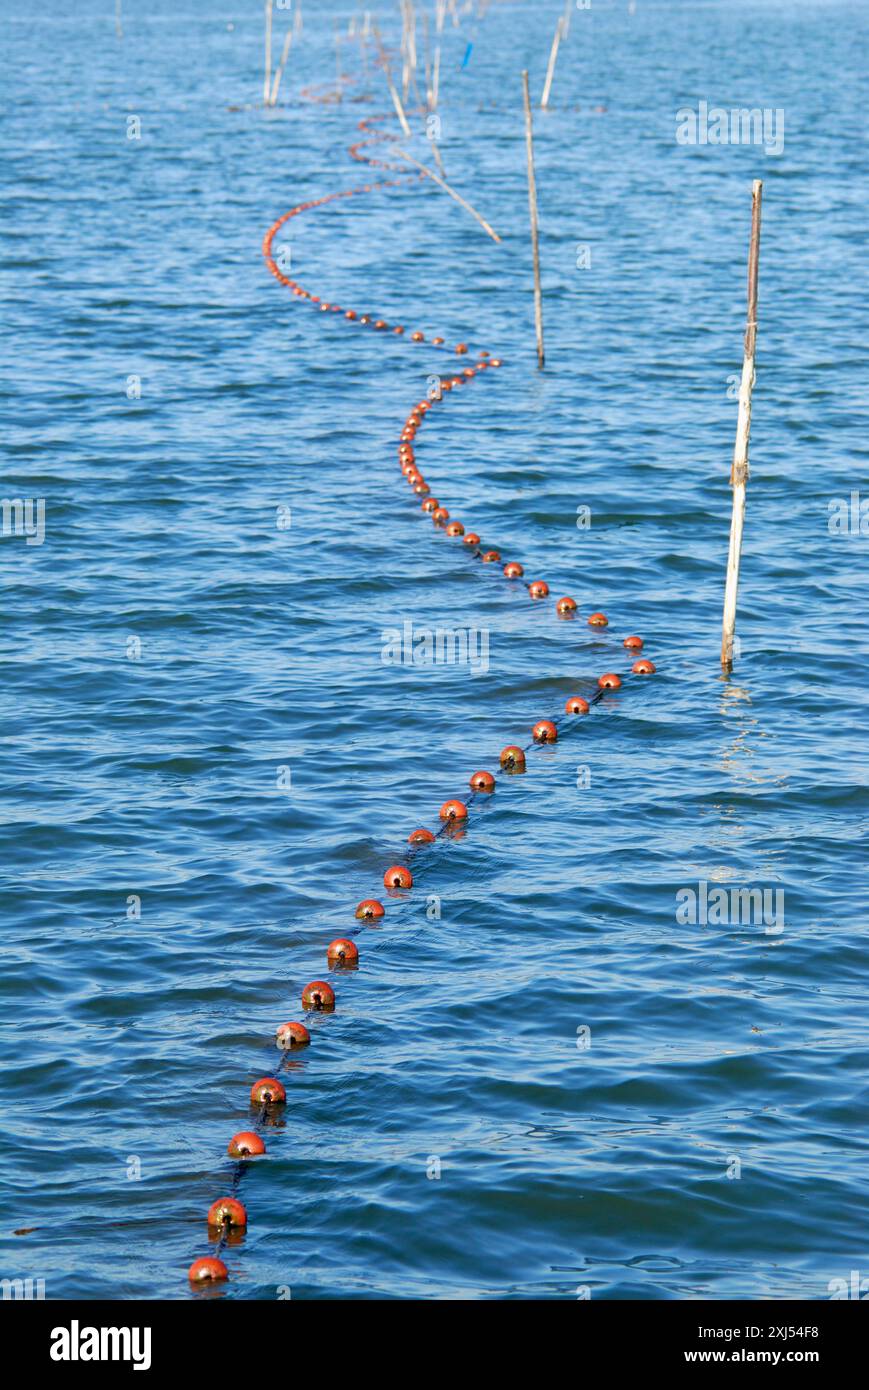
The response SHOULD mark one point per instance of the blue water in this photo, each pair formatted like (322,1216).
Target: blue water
(169,648)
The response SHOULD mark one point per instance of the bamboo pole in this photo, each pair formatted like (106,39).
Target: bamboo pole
(405,52)
(396,99)
(550,71)
(363,44)
(532,209)
(452,192)
(428,94)
(279,71)
(408,46)
(411,34)
(739,467)
(267,79)
(415,87)
(437,154)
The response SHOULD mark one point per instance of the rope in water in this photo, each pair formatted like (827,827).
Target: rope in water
(227,1217)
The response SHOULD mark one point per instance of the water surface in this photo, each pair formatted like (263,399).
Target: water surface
(169,649)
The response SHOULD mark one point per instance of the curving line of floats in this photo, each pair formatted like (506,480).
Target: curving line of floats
(227,1216)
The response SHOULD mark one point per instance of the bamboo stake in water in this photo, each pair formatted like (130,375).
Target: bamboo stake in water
(396,99)
(415,87)
(267,80)
(405,61)
(408,46)
(532,208)
(452,192)
(440,16)
(550,71)
(437,154)
(428,93)
(739,468)
(412,34)
(363,44)
(279,72)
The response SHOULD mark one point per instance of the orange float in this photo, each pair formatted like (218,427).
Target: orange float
(369,909)
(513,758)
(544,731)
(319,996)
(267,1091)
(577,705)
(226,1211)
(245,1145)
(291,1035)
(482,782)
(342,951)
(398,877)
(208,1270)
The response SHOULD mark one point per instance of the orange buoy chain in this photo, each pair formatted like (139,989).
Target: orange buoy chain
(350,316)
(374,137)
(227,1217)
